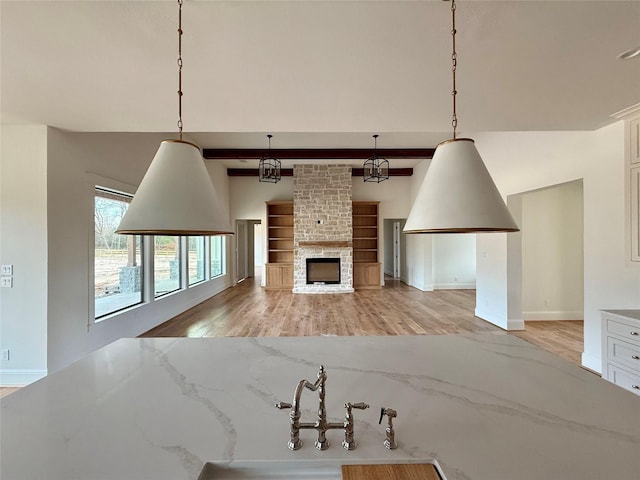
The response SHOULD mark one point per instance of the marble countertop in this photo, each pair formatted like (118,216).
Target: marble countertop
(635,314)
(485,406)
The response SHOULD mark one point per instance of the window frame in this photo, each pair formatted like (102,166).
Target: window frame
(99,190)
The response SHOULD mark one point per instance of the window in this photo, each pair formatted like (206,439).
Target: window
(117,258)
(196,260)
(166,265)
(217,256)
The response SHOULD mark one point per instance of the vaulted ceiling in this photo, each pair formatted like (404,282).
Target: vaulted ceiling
(317,73)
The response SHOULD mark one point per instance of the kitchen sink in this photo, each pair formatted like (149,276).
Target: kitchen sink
(289,470)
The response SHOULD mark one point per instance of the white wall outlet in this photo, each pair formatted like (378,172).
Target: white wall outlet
(4,355)
(6,270)
(547,303)
(6,282)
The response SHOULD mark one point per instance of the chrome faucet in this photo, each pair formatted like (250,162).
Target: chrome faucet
(321,424)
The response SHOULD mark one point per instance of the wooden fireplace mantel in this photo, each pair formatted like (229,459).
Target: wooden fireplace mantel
(324,243)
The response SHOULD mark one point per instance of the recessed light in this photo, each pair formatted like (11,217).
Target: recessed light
(627,54)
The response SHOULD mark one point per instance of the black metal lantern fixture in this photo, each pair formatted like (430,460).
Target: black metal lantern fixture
(269,168)
(375,169)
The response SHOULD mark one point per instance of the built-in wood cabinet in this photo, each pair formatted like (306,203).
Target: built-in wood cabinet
(279,266)
(621,348)
(366,268)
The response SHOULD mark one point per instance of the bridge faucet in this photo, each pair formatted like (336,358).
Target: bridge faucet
(321,424)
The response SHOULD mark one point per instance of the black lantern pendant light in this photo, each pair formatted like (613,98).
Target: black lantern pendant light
(269,167)
(375,169)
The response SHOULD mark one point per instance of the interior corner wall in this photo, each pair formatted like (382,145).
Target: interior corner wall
(525,161)
(552,253)
(23,244)
(454,261)
(75,160)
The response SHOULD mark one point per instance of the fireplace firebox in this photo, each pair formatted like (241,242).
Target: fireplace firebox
(323,271)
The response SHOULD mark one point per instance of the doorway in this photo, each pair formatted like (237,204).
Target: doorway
(248,248)
(546,258)
(394,248)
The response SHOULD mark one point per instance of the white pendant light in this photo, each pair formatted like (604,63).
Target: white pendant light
(176,195)
(458,194)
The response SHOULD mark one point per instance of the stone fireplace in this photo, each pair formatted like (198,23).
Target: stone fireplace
(322,224)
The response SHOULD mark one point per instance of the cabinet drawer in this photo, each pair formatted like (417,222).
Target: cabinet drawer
(626,331)
(624,379)
(623,353)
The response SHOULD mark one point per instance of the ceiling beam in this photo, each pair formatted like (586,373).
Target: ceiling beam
(315,153)
(288,172)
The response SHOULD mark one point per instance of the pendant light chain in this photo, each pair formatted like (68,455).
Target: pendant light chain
(180,67)
(454,66)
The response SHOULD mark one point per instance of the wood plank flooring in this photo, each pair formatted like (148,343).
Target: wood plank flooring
(247,310)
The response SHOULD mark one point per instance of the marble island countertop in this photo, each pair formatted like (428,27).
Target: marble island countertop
(485,406)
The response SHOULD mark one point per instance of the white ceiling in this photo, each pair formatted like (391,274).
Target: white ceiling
(317,73)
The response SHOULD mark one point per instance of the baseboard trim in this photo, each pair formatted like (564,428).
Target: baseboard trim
(592,363)
(454,286)
(515,324)
(553,315)
(20,378)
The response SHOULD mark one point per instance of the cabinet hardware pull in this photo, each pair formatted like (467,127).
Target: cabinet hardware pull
(635,357)
(636,387)
(634,333)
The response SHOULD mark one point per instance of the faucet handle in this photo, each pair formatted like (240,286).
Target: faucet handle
(282,405)
(359,405)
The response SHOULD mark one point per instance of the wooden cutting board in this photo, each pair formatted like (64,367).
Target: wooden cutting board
(409,471)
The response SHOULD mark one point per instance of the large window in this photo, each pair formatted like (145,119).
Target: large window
(117,258)
(217,256)
(166,265)
(196,259)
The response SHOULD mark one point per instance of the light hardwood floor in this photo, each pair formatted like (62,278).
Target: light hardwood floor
(247,310)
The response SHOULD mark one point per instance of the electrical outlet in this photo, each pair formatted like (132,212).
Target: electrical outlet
(5,355)
(6,270)
(6,282)
(547,303)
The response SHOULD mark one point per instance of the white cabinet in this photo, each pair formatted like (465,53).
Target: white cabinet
(634,177)
(621,348)
(634,141)
(632,162)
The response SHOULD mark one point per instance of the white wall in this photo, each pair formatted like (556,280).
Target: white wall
(525,161)
(454,261)
(552,253)
(23,244)
(75,162)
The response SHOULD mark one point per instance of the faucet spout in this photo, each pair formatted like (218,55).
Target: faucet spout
(321,424)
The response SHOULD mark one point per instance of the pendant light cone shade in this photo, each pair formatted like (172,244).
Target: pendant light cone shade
(458,195)
(176,196)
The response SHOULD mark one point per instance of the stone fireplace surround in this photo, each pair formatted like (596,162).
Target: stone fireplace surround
(322,223)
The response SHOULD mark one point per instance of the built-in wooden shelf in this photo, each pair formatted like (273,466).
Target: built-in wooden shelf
(279,267)
(366,268)
(324,243)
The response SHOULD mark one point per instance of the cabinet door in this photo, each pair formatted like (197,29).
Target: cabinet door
(635,213)
(634,141)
